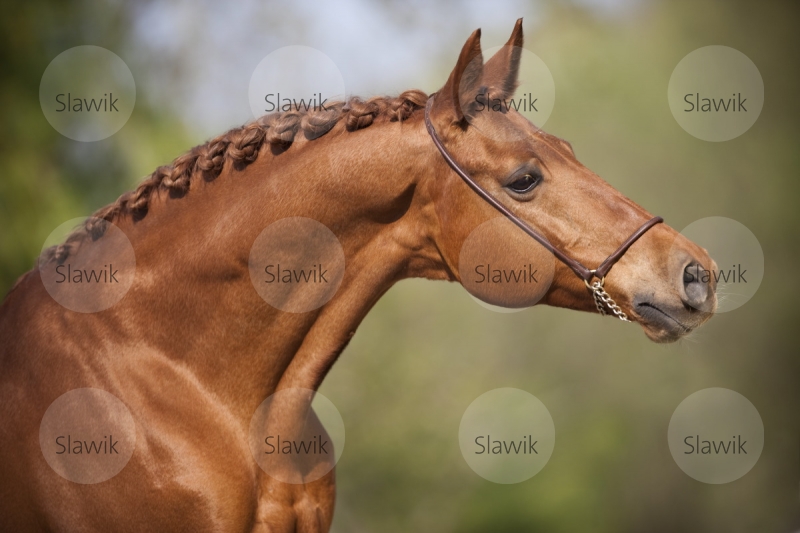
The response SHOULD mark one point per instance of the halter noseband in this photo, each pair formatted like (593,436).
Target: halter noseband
(601,297)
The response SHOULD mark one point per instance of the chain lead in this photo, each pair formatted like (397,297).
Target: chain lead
(603,300)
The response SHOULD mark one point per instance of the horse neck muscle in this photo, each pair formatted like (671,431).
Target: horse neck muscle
(193,295)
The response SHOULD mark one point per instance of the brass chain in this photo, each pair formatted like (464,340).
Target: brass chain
(604,300)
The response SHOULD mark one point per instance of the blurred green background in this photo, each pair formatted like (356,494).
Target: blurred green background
(428,350)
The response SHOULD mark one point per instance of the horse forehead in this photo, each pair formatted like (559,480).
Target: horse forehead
(530,143)
(548,149)
(550,143)
(542,144)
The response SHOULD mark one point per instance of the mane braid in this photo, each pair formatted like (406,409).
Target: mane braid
(241,146)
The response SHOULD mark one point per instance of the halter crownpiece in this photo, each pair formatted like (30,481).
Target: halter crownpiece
(601,298)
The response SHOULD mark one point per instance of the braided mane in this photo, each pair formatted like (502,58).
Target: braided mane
(240,146)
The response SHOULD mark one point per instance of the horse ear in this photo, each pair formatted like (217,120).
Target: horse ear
(501,71)
(462,85)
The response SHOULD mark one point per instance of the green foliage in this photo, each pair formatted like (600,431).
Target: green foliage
(46,178)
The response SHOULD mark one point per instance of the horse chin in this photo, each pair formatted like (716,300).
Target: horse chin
(662,335)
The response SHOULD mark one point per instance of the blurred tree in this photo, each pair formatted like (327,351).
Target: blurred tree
(47,178)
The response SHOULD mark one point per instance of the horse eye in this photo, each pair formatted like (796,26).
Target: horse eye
(525,183)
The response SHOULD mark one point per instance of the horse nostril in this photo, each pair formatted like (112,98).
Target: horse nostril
(695,285)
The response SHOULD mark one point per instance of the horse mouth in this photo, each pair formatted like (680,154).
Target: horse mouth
(661,324)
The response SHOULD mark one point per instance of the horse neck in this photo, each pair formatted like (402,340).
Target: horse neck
(195,294)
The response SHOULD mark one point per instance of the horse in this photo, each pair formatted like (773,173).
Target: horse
(192,349)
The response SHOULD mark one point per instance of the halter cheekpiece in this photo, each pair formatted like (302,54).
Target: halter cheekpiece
(602,299)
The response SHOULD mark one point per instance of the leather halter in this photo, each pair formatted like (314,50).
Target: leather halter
(580,270)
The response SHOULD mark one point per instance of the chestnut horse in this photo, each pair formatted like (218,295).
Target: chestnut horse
(192,349)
